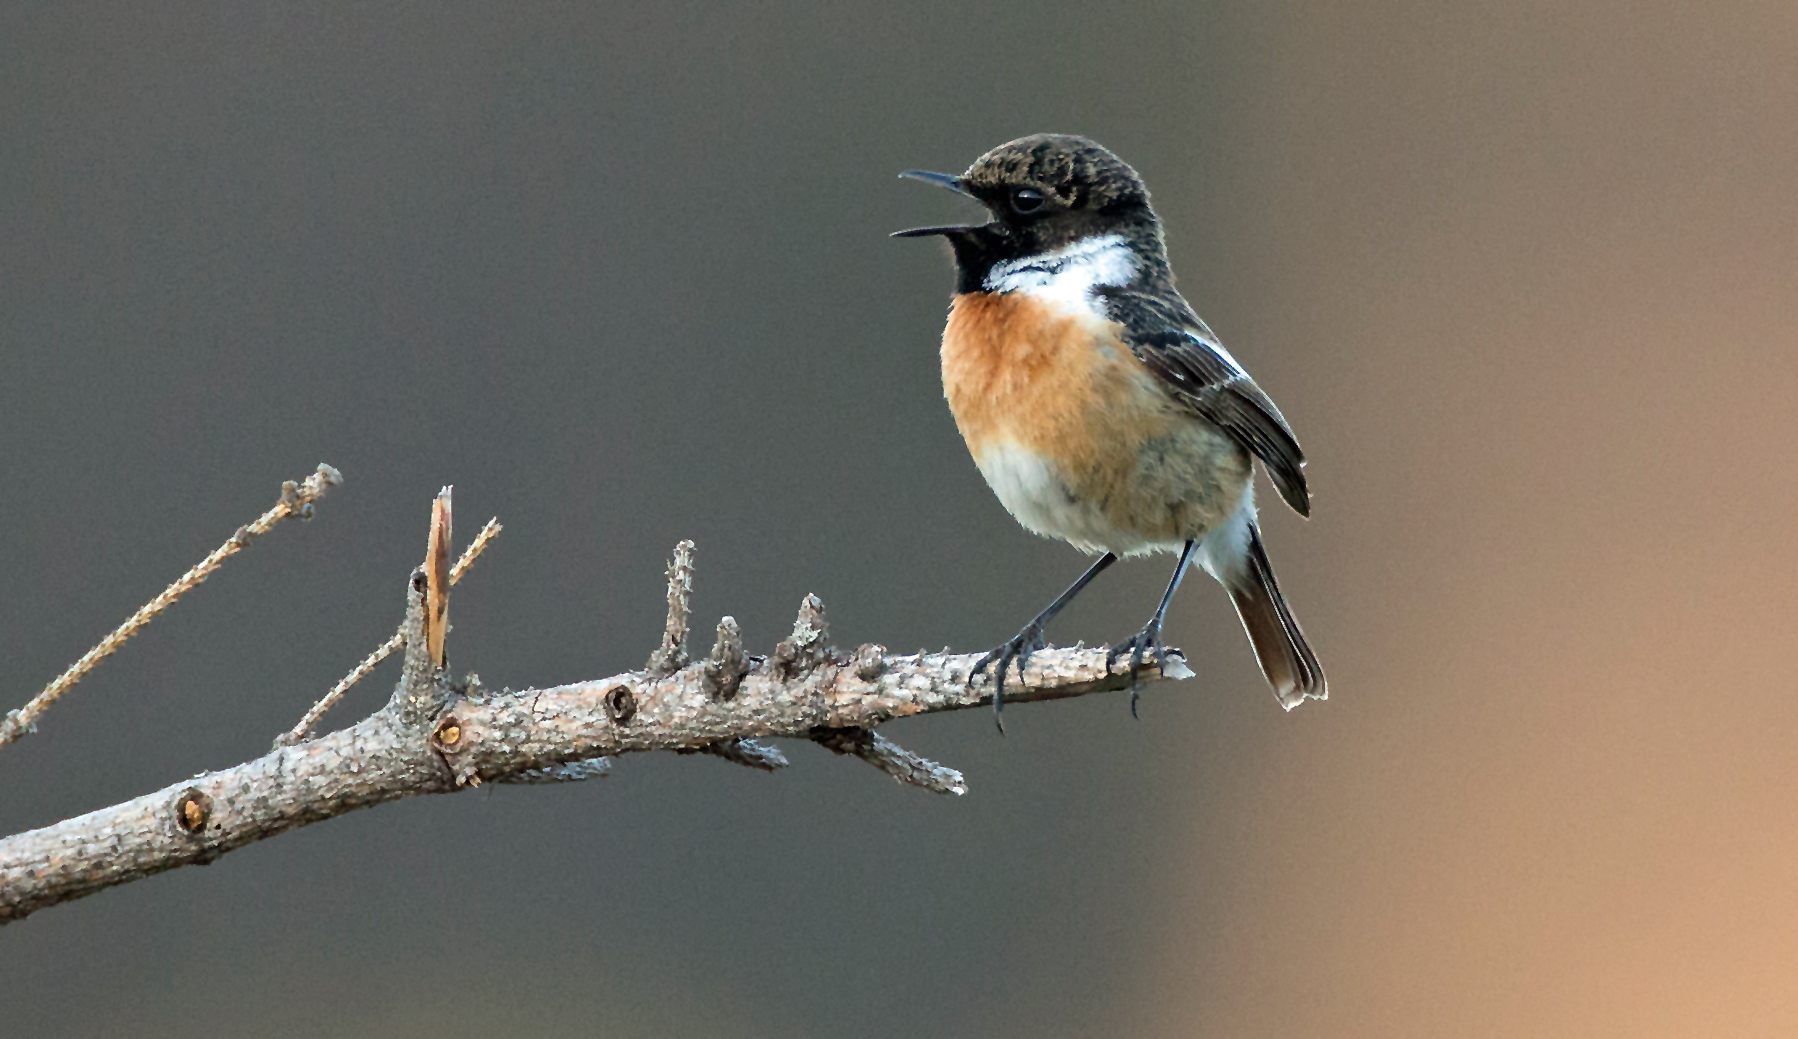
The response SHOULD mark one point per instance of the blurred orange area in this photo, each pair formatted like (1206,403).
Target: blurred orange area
(1552,794)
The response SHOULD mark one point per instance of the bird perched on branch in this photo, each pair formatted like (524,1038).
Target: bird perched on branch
(1099,407)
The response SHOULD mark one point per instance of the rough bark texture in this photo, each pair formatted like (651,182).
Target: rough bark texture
(434,738)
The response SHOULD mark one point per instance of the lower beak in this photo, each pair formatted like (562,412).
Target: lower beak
(925,232)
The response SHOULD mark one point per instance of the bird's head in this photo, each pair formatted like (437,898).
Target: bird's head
(1043,194)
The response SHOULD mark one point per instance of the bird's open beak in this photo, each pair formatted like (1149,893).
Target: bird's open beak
(941,180)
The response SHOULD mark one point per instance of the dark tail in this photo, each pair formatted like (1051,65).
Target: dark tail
(1287,661)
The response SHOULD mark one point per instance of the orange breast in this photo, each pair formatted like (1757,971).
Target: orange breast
(1016,370)
(1075,436)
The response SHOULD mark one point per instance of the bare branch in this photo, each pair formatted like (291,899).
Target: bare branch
(671,655)
(437,736)
(385,649)
(296,500)
(465,740)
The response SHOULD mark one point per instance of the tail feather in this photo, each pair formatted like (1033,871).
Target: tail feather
(1286,659)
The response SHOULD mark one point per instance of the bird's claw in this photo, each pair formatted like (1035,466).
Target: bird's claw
(1145,644)
(1019,648)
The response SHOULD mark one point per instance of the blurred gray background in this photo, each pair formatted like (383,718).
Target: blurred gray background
(1524,279)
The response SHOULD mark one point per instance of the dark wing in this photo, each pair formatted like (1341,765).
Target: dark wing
(1174,344)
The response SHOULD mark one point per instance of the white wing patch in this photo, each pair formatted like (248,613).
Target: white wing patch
(1217,348)
(1068,275)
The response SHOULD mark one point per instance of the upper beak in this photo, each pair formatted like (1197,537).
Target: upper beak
(941,180)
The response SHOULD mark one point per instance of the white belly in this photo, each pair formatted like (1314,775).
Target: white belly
(1034,492)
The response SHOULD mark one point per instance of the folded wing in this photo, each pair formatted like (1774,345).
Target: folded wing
(1177,347)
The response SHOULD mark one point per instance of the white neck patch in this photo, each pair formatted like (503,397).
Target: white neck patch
(1068,275)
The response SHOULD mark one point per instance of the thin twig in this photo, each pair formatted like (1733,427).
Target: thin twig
(474,550)
(385,649)
(296,499)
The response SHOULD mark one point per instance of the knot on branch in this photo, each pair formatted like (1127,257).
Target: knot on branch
(192,811)
(620,704)
(806,648)
(727,664)
(870,661)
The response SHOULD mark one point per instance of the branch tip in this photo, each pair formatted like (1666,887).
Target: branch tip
(894,760)
(296,499)
(475,548)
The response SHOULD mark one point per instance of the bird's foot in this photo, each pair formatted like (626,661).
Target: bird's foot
(1018,648)
(1145,644)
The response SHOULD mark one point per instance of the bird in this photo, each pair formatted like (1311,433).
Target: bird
(1100,408)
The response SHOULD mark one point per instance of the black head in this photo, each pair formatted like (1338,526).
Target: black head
(1043,193)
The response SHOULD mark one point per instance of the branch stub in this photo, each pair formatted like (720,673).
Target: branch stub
(806,648)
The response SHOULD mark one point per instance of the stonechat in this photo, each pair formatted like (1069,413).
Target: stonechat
(1099,407)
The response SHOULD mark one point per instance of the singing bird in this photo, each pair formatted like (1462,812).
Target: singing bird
(1099,407)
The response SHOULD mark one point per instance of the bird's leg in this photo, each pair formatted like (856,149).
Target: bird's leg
(1029,640)
(1148,640)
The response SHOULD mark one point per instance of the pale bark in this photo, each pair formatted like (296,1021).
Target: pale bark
(433,738)
(436,735)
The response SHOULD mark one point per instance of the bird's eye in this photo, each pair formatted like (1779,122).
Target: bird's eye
(1026,200)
